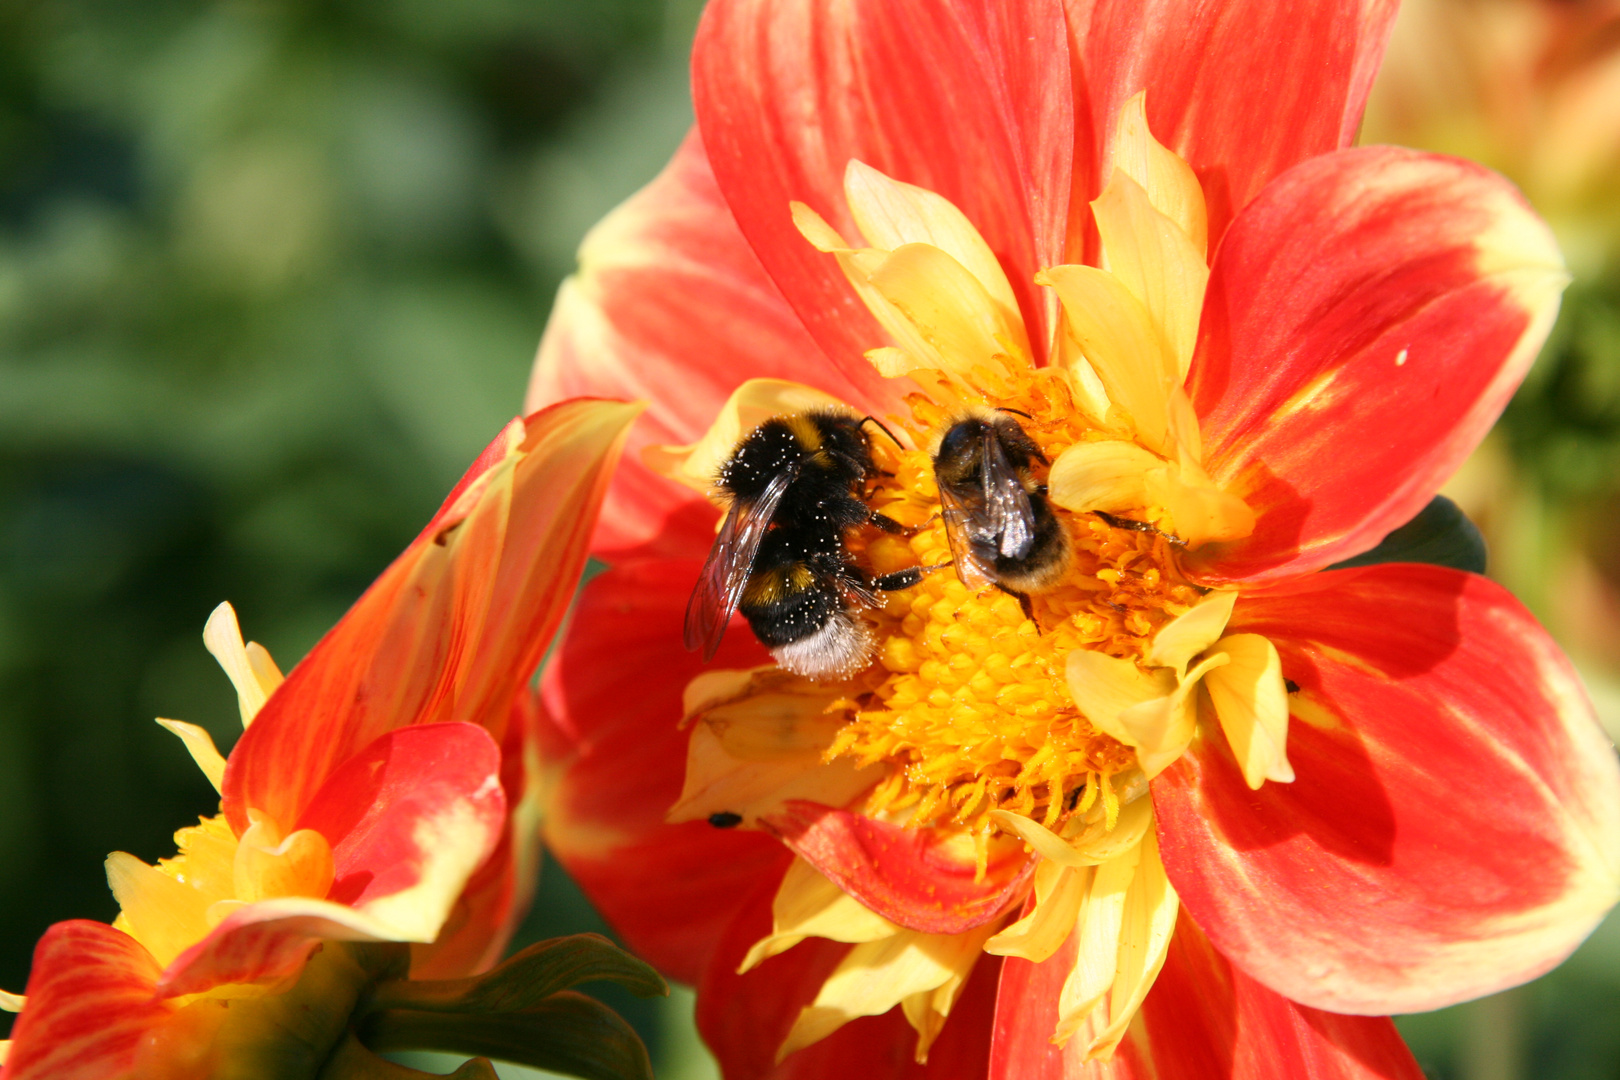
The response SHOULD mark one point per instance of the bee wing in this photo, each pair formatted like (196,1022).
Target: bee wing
(964,526)
(1008,514)
(724,576)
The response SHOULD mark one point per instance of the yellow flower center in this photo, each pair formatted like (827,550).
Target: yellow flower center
(972,707)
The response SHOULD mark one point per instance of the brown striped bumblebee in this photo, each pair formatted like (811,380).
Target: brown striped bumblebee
(999,522)
(793,487)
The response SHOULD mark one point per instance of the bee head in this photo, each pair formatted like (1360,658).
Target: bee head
(838,442)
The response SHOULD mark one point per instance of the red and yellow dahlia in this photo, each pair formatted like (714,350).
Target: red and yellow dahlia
(1207,808)
(384,791)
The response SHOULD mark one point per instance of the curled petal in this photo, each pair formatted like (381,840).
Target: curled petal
(1157,261)
(891,214)
(254,681)
(1368,317)
(807,905)
(956,99)
(1454,828)
(454,626)
(698,464)
(722,780)
(1108,475)
(875,976)
(917,878)
(200,745)
(1115,332)
(1170,184)
(1191,632)
(1251,702)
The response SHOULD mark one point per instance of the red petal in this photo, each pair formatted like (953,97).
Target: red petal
(905,875)
(385,809)
(452,628)
(1367,318)
(968,100)
(670,305)
(91,1002)
(497,897)
(744,1018)
(1205,66)
(410,819)
(1453,826)
(1203,1020)
(613,695)
(260,943)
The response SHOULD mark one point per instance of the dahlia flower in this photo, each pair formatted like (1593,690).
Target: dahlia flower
(1206,806)
(381,792)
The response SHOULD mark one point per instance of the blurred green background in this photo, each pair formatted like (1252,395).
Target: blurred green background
(271,274)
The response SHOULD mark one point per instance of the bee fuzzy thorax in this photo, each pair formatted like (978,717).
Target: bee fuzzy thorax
(794,488)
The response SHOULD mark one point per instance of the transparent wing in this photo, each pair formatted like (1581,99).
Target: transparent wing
(964,528)
(1009,518)
(724,576)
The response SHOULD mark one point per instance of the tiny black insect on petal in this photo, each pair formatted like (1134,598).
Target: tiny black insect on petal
(1293,687)
(725,819)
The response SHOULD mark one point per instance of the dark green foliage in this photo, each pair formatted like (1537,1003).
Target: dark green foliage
(522,1011)
(1440,534)
(271,274)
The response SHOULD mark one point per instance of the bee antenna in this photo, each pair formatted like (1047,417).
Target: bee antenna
(1016,412)
(886,431)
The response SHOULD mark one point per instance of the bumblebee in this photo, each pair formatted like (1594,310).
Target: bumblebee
(793,491)
(1000,525)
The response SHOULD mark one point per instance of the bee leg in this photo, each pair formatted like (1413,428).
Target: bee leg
(887,523)
(1023,602)
(904,579)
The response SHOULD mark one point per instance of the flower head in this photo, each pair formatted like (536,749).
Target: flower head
(368,799)
(1196,776)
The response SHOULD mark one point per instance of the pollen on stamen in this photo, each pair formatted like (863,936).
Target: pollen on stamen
(969,704)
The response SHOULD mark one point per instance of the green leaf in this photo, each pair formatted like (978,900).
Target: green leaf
(525,980)
(1441,535)
(566,1033)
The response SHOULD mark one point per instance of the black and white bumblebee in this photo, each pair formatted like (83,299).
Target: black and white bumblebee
(793,487)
